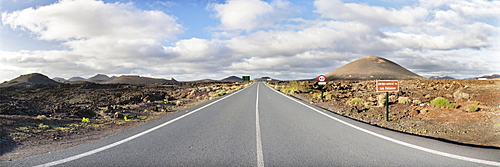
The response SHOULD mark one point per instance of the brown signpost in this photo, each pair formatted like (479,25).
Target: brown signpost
(387,86)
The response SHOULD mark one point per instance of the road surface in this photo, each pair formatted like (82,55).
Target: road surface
(258,126)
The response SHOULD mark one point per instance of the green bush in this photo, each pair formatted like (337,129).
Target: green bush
(43,126)
(329,96)
(443,103)
(317,95)
(471,108)
(326,96)
(293,89)
(355,102)
(42,117)
(368,103)
(85,119)
(358,101)
(404,100)
(417,102)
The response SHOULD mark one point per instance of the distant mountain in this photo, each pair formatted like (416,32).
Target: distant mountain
(29,79)
(232,79)
(133,79)
(442,77)
(76,79)
(99,78)
(265,79)
(205,80)
(372,68)
(494,76)
(59,79)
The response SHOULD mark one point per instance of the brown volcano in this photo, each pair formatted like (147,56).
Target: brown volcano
(29,79)
(372,68)
(232,79)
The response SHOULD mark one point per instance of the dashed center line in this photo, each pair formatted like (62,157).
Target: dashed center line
(260,155)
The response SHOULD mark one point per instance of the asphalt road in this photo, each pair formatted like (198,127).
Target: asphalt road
(259,126)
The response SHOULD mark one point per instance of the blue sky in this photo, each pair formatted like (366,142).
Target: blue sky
(283,39)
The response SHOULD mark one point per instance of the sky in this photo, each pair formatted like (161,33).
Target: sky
(282,39)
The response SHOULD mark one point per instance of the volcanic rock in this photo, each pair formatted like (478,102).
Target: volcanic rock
(372,68)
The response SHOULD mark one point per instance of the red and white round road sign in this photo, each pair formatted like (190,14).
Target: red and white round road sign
(321,78)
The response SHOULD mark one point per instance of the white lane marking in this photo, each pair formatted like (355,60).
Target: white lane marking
(129,138)
(459,157)
(260,155)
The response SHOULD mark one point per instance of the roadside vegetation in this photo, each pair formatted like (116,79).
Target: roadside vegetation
(468,108)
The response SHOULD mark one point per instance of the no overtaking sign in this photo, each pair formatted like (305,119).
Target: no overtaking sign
(321,80)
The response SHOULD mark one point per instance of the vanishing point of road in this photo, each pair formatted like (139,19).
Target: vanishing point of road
(258,126)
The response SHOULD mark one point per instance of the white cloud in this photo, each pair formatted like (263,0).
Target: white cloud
(96,29)
(249,14)
(99,37)
(194,50)
(83,19)
(429,37)
(336,9)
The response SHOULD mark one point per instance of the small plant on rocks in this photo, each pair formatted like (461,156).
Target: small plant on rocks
(356,101)
(86,120)
(43,126)
(404,100)
(443,103)
(417,102)
(471,108)
(42,117)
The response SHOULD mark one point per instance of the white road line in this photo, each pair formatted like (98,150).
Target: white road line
(459,157)
(129,138)
(260,155)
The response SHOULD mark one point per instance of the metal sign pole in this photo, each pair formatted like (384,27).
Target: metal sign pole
(322,90)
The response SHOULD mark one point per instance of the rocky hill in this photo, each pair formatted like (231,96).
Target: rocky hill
(205,80)
(100,78)
(442,77)
(132,79)
(76,79)
(29,79)
(372,68)
(494,76)
(232,79)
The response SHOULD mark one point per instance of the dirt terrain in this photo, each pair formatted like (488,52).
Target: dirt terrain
(469,113)
(37,119)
